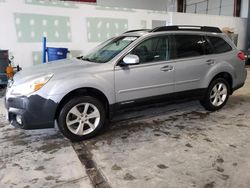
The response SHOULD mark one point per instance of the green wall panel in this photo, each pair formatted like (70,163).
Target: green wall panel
(53,3)
(37,57)
(156,12)
(114,9)
(101,29)
(32,27)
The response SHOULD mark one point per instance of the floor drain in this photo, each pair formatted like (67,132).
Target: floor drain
(96,177)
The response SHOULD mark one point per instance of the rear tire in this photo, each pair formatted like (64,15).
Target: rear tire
(217,95)
(81,118)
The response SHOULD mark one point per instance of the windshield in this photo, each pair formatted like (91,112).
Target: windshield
(109,50)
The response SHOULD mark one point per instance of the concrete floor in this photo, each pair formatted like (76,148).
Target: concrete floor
(41,158)
(179,145)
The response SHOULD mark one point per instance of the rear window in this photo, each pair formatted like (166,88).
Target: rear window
(188,46)
(219,45)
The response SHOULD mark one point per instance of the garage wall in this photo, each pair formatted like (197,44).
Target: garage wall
(80,27)
(77,26)
(236,25)
(244,8)
(212,7)
(162,5)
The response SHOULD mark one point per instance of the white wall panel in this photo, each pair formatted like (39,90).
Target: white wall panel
(227,11)
(227,2)
(244,8)
(213,4)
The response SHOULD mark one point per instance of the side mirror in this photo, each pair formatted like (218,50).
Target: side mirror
(131,59)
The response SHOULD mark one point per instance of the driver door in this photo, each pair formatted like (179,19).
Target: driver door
(153,76)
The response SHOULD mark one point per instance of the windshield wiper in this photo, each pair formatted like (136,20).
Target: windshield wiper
(79,57)
(84,58)
(90,60)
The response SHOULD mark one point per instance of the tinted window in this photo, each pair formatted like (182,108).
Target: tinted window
(152,50)
(219,45)
(208,47)
(188,46)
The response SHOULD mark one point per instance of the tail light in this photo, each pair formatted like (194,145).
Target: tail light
(241,56)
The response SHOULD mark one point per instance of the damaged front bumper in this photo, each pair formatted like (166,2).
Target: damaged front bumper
(30,112)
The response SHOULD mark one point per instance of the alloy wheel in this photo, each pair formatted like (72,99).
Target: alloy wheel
(218,94)
(83,118)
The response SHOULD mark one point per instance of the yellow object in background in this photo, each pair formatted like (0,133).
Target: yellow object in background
(10,71)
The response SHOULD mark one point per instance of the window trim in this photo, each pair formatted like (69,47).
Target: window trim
(209,43)
(140,42)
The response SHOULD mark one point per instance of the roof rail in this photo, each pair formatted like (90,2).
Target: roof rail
(187,28)
(130,31)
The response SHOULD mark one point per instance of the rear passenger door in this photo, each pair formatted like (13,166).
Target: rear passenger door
(191,64)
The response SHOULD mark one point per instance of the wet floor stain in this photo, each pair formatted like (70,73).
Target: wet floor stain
(30,152)
(219,169)
(224,177)
(209,185)
(162,166)
(160,127)
(49,178)
(220,160)
(235,164)
(116,167)
(189,145)
(40,168)
(242,125)
(157,134)
(207,139)
(129,177)
(51,148)
(33,181)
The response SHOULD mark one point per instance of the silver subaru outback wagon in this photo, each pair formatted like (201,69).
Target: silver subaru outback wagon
(140,66)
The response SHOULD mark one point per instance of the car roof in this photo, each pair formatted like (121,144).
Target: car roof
(188,29)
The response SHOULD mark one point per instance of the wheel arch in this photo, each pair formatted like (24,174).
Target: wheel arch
(227,76)
(86,91)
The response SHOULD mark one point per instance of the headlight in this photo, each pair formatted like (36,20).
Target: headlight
(31,86)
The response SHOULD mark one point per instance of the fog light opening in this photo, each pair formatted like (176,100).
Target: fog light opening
(19,119)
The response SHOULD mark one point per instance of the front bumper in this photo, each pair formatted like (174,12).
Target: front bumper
(34,111)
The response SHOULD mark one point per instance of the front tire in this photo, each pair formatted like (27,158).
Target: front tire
(81,118)
(217,95)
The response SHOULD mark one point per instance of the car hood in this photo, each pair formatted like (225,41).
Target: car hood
(57,68)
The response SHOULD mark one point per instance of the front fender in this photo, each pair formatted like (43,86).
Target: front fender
(60,88)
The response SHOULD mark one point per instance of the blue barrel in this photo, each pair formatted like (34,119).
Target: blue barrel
(57,53)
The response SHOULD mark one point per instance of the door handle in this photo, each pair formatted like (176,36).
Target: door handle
(167,68)
(210,62)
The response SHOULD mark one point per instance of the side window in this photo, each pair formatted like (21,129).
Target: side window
(152,50)
(207,46)
(188,46)
(219,45)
